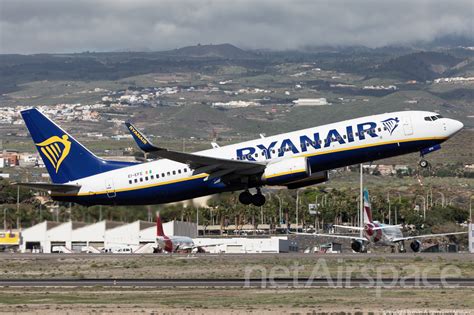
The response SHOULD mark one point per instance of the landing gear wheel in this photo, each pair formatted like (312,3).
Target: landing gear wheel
(424,163)
(401,248)
(258,200)
(245,198)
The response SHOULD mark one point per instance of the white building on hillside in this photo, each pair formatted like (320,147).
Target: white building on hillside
(311,102)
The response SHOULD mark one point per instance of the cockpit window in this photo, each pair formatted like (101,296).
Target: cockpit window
(439,116)
(428,118)
(434,118)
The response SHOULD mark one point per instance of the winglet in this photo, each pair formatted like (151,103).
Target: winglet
(142,141)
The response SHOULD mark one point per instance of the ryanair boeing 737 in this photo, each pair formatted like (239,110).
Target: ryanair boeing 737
(296,159)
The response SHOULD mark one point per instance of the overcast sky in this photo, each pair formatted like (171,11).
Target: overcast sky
(33,26)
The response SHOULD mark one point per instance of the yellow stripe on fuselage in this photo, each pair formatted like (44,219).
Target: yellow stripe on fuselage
(134,187)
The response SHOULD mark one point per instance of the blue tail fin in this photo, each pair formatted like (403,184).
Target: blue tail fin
(65,158)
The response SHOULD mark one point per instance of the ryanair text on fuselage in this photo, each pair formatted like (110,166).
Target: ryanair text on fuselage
(277,148)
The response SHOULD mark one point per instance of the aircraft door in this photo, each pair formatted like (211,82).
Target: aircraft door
(407,126)
(110,188)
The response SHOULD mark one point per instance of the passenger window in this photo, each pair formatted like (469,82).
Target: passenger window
(136,180)
(380,129)
(130,181)
(357,134)
(157,176)
(256,154)
(141,179)
(344,136)
(273,151)
(174,172)
(168,173)
(179,171)
(152,177)
(146,177)
(162,174)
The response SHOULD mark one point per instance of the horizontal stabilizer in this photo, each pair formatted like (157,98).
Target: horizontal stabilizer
(59,188)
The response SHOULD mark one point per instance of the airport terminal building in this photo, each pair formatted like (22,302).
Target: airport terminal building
(136,237)
(47,236)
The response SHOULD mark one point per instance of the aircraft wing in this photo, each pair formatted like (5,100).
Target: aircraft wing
(349,227)
(203,164)
(375,228)
(334,236)
(425,236)
(59,188)
(208,245)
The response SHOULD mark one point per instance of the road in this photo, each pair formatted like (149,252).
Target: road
(262,283)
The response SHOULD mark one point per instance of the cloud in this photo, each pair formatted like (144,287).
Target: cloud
(31,26)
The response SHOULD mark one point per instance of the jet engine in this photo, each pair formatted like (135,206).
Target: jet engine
(314,178)
(415,246)
(358,246)
(293,172)
(286,171)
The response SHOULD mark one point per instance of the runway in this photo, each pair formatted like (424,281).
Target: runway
(250,283)
(232,257)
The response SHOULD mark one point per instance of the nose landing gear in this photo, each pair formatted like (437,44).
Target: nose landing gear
(247,198)
(423,163)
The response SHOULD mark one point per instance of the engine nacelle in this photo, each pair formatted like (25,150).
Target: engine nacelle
(415,246)
(358,246)
(313,179)
(286,171)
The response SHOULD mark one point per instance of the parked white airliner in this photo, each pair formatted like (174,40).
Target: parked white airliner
(380,234)
(295,159)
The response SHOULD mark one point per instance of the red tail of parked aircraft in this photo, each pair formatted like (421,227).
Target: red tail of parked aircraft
(159,226)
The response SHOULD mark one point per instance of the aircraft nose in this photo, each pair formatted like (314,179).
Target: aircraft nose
(455,126)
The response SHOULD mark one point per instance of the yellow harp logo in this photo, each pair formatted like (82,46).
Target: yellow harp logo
(55,149)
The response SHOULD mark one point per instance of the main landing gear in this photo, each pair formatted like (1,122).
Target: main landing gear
(247,198)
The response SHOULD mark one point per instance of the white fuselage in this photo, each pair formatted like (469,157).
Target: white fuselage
(326,147)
